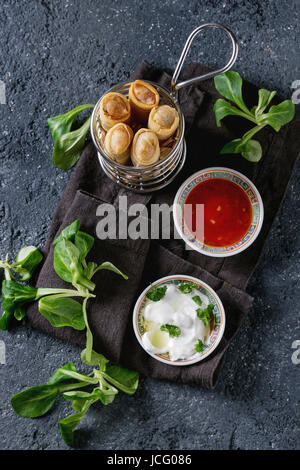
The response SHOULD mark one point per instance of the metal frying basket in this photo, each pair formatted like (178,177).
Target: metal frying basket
(154,177)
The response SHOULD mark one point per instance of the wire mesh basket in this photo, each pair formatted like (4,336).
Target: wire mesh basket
(173,152)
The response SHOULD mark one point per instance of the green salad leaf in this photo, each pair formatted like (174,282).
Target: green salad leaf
(66,381)
(187,287)
(68,425)
(229,85)
(250,149)
(19,313)
(279,115)
(62,311)
(61,124)
(206,314)
(173,330)
(156,293)
(27,260)
(35,401)
(14,297)
(110,267)
(264,99)
(96,359)
(60,376)
(84,243)
(125,379)
(68,233)
(199,346)
(68,264)
(68,147)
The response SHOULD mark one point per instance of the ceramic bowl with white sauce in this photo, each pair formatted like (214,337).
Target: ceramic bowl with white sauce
(179,320)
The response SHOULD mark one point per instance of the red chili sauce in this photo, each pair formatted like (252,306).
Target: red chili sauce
(227,211)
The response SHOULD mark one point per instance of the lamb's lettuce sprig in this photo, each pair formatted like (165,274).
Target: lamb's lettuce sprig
(229,85)
(68,144)
(28,258)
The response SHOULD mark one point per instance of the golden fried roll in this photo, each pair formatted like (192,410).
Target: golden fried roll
(114,108)
(117,143)
(145,149)
(163,120)
(143,97)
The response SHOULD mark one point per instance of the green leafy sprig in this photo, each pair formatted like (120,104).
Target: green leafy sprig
(58,306)
(187,287)
(28,258)
(68,144)
(229,85)
(156,293)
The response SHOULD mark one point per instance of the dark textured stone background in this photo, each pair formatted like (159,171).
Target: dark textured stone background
(61,53)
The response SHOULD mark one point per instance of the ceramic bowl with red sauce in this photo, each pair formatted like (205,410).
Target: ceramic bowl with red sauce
(218,212)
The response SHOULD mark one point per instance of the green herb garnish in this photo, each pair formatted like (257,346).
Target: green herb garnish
(173,330)
(15,296)
(68,144)
(206,314)
(57,305)
(156,293)
(197,299)
(187,287)
(199,346)
(229,85)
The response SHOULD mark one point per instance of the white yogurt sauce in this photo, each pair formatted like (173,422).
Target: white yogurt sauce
(179,309)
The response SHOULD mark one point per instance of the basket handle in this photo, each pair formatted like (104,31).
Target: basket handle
(176,86)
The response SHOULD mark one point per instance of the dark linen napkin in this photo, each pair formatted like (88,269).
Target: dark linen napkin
(110,314)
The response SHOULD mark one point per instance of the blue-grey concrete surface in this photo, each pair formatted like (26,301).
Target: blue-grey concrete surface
(56,54)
